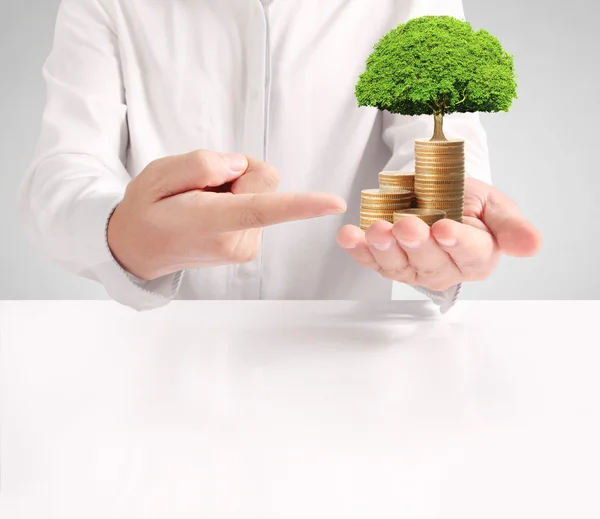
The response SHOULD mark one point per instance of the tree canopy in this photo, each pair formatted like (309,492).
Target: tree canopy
(438,65)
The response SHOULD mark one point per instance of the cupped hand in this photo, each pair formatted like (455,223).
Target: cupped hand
(203,209)
(449,252)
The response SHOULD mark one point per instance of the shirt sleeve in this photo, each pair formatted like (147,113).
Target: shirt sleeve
(78,173)
(400,132)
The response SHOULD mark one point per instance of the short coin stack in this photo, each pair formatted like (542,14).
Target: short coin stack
(440,176)
(377,204)
(429,216)
(395,180)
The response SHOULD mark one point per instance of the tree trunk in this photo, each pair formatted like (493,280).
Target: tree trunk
(438,130)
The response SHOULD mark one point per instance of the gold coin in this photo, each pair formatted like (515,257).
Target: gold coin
(449,208)
(435,151)
(443,196)
(440,189)
(440,184)
(439,174)
(432,150)
(439,162)
(393,189)
(385,216)
(439,157)
(378,194)
(451,179)
(435,195)
(393,184)
(445,180)
(440,198)
(432,153)
(396,175)
(377,215)
(442,149)
(443,162)
(376,219)
(385,207)
(407,187)
(422,212)
(399,193)
(437,204)
(371,222)
(389,201)
(446,143)
(457,201)
(440,169)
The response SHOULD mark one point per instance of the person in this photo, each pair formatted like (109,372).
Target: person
(214,149)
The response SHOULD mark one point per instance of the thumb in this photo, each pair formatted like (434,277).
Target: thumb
(514,234)
(199,169)
(259,177)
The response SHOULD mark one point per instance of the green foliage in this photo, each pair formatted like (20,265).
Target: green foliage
(438,64)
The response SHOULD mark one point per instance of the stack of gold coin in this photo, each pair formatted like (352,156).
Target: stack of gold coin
(394,180)
(440,176)
(429,216)
(380,205)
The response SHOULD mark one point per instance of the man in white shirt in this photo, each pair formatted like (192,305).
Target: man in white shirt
(188,150)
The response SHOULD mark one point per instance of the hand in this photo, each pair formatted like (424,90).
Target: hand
(203,209)
(448,253)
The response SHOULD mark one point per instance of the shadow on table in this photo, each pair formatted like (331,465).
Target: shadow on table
(361,325)
(390,312)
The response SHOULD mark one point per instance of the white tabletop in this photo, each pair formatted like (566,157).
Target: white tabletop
(300,410)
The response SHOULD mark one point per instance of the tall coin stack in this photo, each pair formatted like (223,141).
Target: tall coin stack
(377,204)
(440,176)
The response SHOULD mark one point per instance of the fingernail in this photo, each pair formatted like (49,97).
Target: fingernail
(382,246)
(409,244)
(236,162)
(446,242)
(332,211)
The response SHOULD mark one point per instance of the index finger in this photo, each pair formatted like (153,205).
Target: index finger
(239,212)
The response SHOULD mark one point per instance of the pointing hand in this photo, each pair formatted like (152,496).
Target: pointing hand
(176,214)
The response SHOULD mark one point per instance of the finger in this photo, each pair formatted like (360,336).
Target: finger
(200,169)
(259,177)
(432,265)
(352,240)
(391,258)
(514,234)
(472,249)
(229,212)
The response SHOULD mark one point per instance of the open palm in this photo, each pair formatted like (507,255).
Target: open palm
(447,253)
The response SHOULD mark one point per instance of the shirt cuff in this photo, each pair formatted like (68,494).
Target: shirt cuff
(158,291)
(445,299)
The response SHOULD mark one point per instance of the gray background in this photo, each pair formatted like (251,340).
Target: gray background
(543,151)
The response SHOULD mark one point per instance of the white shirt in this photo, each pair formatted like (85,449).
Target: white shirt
(129,81)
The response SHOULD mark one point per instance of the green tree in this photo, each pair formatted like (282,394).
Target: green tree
(438,65)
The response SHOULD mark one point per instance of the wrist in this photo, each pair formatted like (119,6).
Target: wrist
(120,246)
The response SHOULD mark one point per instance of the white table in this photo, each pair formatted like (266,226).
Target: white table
(300,410)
